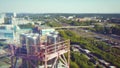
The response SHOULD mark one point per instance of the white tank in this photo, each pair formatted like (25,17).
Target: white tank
(31,41)
(51,39)
(23,37)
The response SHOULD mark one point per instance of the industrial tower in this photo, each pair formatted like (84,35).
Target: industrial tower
(36,51)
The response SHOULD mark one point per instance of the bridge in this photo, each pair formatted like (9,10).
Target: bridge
(65,27)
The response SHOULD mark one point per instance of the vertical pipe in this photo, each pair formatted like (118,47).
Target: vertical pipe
(46,55)
(55,43)
(34,43)
(68,53)
(27,46)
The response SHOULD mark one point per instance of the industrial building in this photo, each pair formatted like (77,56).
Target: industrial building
(9,30)
(6,32)
(10,33)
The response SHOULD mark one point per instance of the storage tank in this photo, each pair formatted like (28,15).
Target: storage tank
(38,39)
(52,38)
(23,37)
(33,41)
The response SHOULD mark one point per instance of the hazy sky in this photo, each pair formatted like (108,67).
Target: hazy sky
(60,6)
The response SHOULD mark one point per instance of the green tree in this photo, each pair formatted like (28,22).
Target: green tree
(73,65)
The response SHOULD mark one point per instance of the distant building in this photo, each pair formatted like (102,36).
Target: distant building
(39,22)
(10,15)
(2,16)
(46,31)
(63,17)
(83,19)
(10,33)
(7,32)
(71,17)
(19,21)
(8,20)
(87,19)
(115,20)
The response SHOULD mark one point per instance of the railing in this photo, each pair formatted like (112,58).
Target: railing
(57,47)
(39,51)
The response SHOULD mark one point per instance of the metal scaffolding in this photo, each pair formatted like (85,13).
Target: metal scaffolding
(42,55)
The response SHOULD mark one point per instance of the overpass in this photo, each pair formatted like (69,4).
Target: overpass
(65,27)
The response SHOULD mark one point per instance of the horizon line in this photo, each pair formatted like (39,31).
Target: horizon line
(56,13)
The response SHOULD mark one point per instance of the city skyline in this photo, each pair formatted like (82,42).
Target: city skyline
(60,6)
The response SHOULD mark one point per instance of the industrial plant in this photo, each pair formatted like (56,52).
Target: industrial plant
(42,48)
(29,40)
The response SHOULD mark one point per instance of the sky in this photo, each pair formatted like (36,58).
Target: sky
(60,6)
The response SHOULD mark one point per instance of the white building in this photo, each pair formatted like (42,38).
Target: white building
(22,21)
(7,32)
(46,31)
(10,15)
(70,17)
(10,33)
(2,16)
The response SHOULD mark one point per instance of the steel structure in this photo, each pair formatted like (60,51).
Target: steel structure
(44,55)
